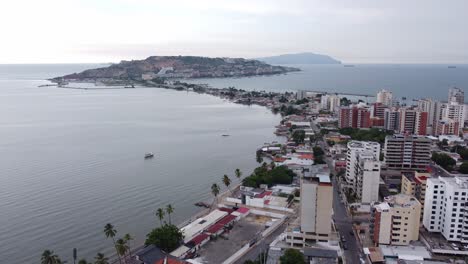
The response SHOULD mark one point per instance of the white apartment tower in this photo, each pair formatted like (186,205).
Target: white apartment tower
(367,177)
(385,97)
(444,207)
(456,112)
(456,95)
(354,148)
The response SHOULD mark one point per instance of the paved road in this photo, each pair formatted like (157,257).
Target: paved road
(341,218)
(437,170)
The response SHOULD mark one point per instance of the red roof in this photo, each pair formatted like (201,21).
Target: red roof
(280,159)
(306,156)
(263,194)
(225,209)
(170,261)
(226,220)
(214,229)
(199,239)
(243,210)
(266,202)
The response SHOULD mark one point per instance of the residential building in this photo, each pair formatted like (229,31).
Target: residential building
(444,208)
(434,112)
(316,211)
(378,110)
(455,112)
(412,121)
(330,102)
(407,152)
(396,220)
(367,177)
(354,148)
(447,127)
(385,97)
(391,119)
(456,95)
(414,183)
(355,117)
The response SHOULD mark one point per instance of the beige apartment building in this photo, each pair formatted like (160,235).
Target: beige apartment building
(316,212)
(396,220)
(414,183)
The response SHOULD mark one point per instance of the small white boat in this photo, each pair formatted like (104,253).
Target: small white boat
(149,155)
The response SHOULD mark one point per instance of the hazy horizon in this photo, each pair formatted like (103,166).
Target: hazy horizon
(362,31)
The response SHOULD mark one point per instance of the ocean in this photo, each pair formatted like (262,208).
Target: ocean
(412,81)
(72,160)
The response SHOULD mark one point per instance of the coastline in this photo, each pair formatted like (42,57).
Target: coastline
(230,94)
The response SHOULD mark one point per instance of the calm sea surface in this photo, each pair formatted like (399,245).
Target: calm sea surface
(411,81)
(72,160)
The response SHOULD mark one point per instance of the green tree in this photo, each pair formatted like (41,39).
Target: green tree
(122,248)
(298,136)
(160,214)
(128,238)
(48,257)
(318,151)
(443,160)
(227,182)
(101,259)
(167,237)
(292,256)
(238,173)
(464,168)
(83,261)
(110,231)
(215,191)
(169,211)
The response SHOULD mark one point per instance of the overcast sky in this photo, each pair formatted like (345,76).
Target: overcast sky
(359,31)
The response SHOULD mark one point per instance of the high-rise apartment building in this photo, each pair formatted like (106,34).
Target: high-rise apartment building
(316,211)
(396,220)
(367,177)
(413,121)
(444,207)
(385,97)
(456,95)
(447,127)
(355,117)
(414,183)
(455,112)
(407,152)
(354,148)
(392,119)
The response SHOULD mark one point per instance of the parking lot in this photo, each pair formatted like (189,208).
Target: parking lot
(218,250)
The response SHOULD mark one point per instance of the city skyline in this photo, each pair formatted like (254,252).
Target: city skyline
(365,31)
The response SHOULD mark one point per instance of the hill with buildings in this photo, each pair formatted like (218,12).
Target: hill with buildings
(178,67)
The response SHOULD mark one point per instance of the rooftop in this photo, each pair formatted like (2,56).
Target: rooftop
(401,201)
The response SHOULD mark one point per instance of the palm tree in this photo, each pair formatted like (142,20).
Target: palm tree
(227,181)
(101,259)
(48,257)
(127,237)
(215,192)
(110,231)
(238,173)
(122,248)
(160,214)
(169,211)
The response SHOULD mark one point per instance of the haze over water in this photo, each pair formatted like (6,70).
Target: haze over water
(72,160)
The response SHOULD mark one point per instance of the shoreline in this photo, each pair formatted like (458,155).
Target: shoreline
(231,95)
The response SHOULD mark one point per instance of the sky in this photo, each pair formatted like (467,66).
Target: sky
(357,31)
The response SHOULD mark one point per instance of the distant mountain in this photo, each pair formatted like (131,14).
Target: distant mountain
(300,58)
(178,67)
